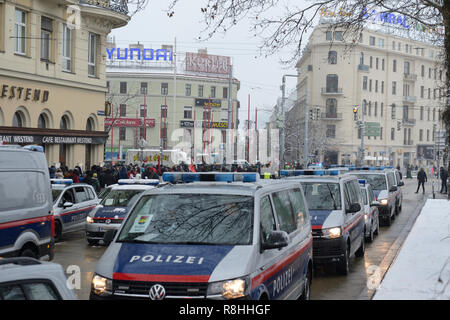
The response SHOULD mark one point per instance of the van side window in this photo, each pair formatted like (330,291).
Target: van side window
(267,218)
(284,212)
(81,195)
(391,181)
(67,196)
(364,196)
(90,194)
(298,204)
(347,196)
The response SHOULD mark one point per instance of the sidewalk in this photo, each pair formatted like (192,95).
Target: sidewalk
(421,270)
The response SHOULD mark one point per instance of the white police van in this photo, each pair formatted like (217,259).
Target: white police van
(213,236)
(26,219)
(72,202)
(384,188)
(371,215)
(337,215)
(114,207)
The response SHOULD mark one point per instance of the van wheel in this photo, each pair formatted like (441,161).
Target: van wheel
(343,267)
(306,294)
(27,252)
(389,219)
(58,231)
(360,252)
(92,242)
(371,234)
(378,227)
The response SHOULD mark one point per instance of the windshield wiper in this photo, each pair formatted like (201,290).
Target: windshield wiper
(331,194)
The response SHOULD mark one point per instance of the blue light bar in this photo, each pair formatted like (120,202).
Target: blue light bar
(333,172)
(61,181)
(362,181)
(149,182)
(174,177)
(34,148)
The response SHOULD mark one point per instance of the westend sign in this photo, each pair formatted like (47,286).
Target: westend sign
(45,139)
(139,54)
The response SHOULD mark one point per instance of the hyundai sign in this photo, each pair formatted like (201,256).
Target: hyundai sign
(145,54)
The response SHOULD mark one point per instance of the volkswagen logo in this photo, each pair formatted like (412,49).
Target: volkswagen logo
(108,221)
(157,292)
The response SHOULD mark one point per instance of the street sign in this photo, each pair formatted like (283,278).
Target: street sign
(372,129)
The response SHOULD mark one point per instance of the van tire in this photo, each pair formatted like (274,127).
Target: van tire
(343,266)
(362,248)
(389,219)
(28,252)
(58,231)
(370,237)
(306,294)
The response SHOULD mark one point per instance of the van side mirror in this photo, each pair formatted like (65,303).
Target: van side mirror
(67,204)
(276,240)
(109,236)
(393,189)
(354,207)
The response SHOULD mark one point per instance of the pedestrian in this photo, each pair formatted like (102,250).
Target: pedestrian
(421,179)
(123,173)
(443,176)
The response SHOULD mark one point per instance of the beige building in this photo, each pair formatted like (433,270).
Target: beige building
(177,105)
(52,76)
(393,82)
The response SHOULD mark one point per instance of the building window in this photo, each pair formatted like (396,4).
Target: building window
(164,89)
(188,90)
(422,91)
(18,119)
(394,87)
(421,113)
(429,73)
(200,90)
(213,92)
(144,87)
(420,134)
(393,111)
(428,134)
(123,110)
(46,36)
(187,112)
(393,45)
(406,68)
(332,83)
(92,54)
(331,131)
(361,58)
(123,87)
(382,86)
(143,111)
(328,36)
(338,36)
(123,133)
(332,57)
(381,109)
(375,109)
(331,108)
(429,93)
(225,92)
(107,86)
(381,43)
(372,41)
(163,111)
(370,85)
(20,32)
(371,62)
(422,71)
(392,134)
(394,65)
(428,114)
(376,85)
(434,114)
(376,63)
(382,64)
(364,82)
(67,48)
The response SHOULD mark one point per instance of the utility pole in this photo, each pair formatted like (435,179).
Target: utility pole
(230,142)
(306,143)
(363,132)
(283,115)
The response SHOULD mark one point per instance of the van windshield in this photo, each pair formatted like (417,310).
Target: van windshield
(322,196)
(376,181)
(119,198)
(190,219)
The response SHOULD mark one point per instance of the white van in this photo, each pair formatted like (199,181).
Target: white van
(26,215)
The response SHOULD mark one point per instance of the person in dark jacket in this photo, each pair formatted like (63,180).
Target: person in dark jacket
(443,176)
(123,173)
(421,178)
(107,178)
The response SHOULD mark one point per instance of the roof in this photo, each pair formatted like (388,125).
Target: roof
(132,187)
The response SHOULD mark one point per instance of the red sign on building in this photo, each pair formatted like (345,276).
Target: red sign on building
(200,62)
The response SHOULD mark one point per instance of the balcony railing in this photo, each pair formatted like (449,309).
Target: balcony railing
(411,99)
(331,116)
(331,90)
(409,76)
(119,6)
(409,122)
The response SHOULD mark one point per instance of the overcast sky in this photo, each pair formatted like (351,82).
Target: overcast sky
(259,76)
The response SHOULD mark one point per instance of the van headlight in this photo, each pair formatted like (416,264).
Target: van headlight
(89,219)
(332,233)
(229,289)
(101,285)
(384,202)
(90,216)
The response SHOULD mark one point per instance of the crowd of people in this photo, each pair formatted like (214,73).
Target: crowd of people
(100,177)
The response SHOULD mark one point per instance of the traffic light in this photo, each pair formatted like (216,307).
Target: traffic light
(317,113)
(355,113)
(399,125)
(311,114)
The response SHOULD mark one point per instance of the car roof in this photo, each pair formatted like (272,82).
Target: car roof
(132,187)
(334,179)
(65,186)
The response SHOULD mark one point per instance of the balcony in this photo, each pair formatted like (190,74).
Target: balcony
(363,67)
(119,6)
(116,11)
(408,122)
(409,77)
(409,99)
(331,91)
(331,116)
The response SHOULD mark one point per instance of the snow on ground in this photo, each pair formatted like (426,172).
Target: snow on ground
(421,271)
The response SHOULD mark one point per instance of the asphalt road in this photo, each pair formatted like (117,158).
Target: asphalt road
(73,253)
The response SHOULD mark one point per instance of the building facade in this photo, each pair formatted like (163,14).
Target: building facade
(392,84)
(177,106)
(52,76)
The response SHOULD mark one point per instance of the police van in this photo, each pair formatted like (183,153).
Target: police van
(371,216)
(337,215)
(213,236)
(72,202)
(384,187)
(113,208)
(26,215)
(398,183)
